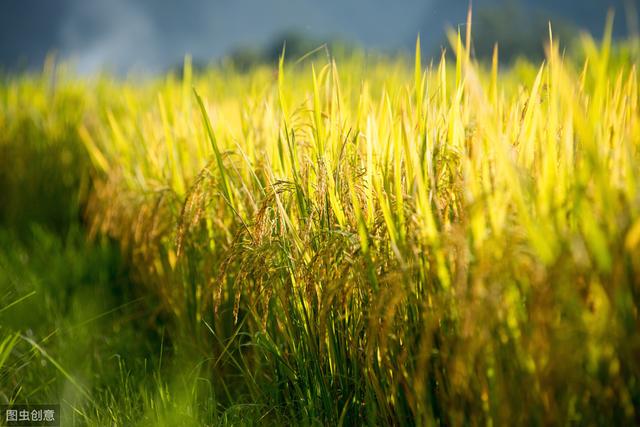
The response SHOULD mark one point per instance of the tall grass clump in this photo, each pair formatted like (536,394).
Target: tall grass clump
(387,243)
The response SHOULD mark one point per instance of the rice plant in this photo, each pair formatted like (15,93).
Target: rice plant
(354,241)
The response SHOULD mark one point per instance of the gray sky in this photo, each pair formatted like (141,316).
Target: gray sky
(151,35)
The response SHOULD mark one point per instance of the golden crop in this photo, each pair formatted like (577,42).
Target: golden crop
(398,243)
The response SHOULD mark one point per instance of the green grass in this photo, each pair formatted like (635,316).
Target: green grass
(73,334)
(327,242)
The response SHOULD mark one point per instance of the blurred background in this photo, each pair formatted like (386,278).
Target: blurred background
(153,36)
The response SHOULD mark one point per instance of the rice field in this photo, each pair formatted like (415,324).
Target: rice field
(348,240)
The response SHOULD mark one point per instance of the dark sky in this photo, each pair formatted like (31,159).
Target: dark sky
(151,35)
